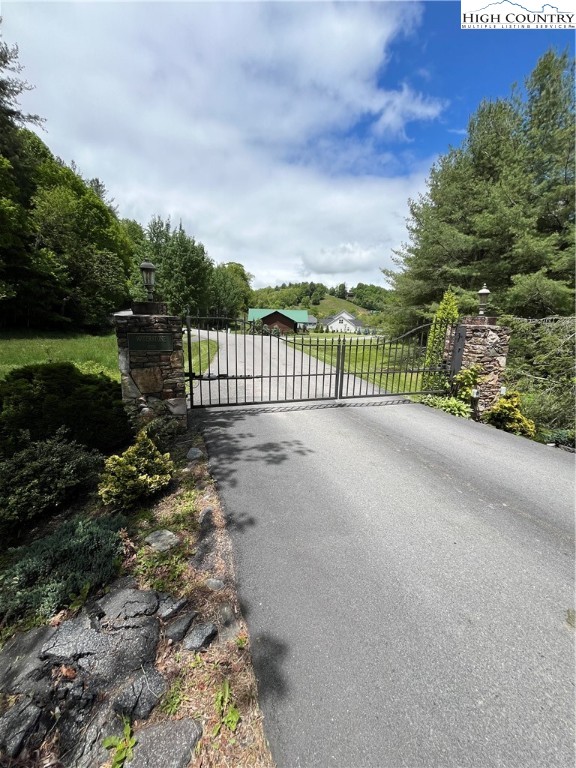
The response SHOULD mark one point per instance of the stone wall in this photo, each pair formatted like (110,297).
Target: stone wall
(153,381)
(486,344)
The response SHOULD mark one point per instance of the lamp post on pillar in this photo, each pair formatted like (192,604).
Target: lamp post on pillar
(483,294)
(148,272)
(149,307)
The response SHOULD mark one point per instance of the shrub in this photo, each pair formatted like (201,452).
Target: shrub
(451,405)
(41,398)
(51,572)
(506,415)
(465,381)
(42,478)
(139,472)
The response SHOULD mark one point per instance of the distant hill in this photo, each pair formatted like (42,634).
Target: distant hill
(330,305)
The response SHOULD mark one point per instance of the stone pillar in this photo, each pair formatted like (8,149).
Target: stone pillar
(485,344)
(151,361)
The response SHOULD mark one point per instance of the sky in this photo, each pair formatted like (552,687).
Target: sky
(287,136)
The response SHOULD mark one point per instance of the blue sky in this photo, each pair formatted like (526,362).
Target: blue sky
(284,135)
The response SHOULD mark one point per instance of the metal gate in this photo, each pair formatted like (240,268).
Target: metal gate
(233,362)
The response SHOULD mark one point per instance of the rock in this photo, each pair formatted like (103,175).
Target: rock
(140,695)
(16,725)
(128,603)
(194,454)
(169,606)
(162,541)
(81,742)
(20,662)
(177,628)
(148,380)
(168,745)
(206,521)
(215,584)
(230,627)
(199,636)
(107,655)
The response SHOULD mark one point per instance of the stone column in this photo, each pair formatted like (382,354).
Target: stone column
(151,361)
(485,344)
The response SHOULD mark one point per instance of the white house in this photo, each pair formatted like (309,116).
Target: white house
(342,322)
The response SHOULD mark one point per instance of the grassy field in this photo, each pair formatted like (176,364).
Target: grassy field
(392,368)
(92,354)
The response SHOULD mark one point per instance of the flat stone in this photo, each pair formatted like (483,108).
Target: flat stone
(148,380)
(81,741)
(177,628)
(199,636)
(214,584)
(16,725)
(140,695)
(169,606)
(128,603)
(162,541)
(176,406)
(167,745)
(127,645)
(20,662)
(194,454)
(129,389)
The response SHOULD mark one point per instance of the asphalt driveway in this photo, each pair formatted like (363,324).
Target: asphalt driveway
(407,578)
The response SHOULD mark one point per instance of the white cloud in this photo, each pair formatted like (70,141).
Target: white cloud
(237,118)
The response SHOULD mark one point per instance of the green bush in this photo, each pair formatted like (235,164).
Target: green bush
(506,415)
(42,478)
(52,572)
(139,472)
(465,381)
(42,398)
(452,405)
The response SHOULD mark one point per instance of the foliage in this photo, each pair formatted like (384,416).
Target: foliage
(184,272)
(506,415)
(541,365)
(42,398)
(42,479)
(123,746)
(139,472)
(227,712)
(47,574)
(230,291)
(446,315)
(453,405)
(172,700)
(500,208)
(465,381)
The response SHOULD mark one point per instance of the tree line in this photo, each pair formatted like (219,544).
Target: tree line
(500,208)
(67,260)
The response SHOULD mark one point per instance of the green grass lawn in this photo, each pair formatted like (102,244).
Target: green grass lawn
(92,354)
(392,368)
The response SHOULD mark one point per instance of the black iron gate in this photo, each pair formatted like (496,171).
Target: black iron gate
(233,362)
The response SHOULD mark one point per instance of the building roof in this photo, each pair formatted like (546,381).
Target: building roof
(296,315)
(349,319)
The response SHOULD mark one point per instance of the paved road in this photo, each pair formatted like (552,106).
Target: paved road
(264,369)
(406,577)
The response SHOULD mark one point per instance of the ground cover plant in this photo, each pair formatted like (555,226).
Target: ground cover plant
(42,479)
(39,399)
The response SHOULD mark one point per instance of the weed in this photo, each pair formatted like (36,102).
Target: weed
(227,712)
(123,746)
(173,698)
(162,571)
(242,640)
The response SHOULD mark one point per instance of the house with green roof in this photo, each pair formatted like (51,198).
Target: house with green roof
(285,320)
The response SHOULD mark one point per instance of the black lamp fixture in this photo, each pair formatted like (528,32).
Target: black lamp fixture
(483,294)
(148,271)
